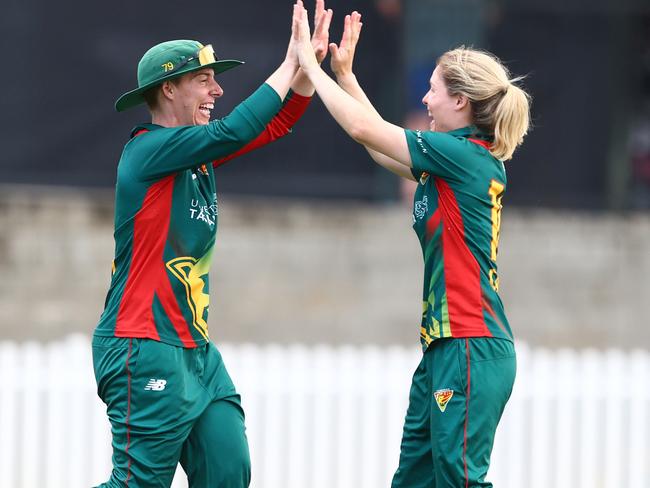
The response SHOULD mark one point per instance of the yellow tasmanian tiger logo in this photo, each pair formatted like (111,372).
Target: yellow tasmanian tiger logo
(190,272)
(442,398)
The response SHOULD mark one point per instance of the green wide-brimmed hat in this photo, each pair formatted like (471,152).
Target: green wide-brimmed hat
(169,60)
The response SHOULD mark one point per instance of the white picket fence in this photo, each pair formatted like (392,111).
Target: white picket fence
(331,417)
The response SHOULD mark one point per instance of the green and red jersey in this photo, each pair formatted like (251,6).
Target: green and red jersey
(166,214)
(457,216)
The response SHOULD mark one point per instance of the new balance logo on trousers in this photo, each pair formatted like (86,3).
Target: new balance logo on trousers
(156,385)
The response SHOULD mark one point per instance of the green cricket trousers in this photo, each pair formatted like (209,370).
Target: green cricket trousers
(169,404)
(458,394)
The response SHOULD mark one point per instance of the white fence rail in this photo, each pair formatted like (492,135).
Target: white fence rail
(326,417)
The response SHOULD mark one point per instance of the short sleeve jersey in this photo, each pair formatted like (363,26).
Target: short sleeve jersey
(166,213)
(456,216)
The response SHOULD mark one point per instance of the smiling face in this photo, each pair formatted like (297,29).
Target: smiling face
(446,111)
(192,97)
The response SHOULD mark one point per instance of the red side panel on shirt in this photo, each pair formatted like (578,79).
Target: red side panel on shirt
(462,273)
(279,126)
(147,271)
(433,223)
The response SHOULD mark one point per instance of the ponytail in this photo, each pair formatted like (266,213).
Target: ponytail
(511,122)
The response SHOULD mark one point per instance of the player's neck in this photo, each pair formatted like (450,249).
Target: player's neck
(165,118)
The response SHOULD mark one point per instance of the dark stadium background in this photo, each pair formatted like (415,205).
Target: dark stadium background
(587,64)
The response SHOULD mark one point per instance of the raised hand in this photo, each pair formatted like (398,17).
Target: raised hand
(301,37)
(292,49)
(343,54)
(320,38)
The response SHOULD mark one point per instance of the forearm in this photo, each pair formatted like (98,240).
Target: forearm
(350,84)
(348,112)
(294,107)
(362,124)
(390,164)
(302,85)
(282,78)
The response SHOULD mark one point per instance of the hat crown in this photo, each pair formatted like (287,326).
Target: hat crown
(163,58)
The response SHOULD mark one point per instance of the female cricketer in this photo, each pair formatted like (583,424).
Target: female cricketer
(169,397)
(478,117)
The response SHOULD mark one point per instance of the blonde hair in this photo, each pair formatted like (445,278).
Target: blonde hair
(499,107)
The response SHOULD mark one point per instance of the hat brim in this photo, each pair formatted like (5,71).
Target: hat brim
(134,97)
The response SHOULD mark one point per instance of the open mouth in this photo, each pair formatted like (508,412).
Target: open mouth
(432,122)
(206,108)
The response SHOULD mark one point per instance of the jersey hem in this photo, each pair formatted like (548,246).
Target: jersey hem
(426,346)
(165,340)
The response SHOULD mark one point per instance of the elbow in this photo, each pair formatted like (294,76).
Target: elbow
(358,131)
(363,128)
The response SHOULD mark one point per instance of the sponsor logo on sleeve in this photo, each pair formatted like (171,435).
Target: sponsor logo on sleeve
(420,142)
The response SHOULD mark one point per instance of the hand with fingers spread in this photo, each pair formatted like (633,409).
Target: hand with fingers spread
(343,54)
(320,37)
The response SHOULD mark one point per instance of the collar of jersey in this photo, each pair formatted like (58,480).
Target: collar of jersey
(145,128)
(471,131)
